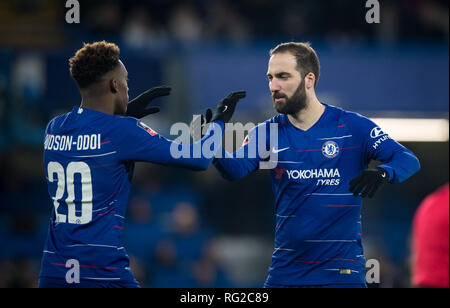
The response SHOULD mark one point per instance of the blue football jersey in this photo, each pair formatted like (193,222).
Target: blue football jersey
(318,220)
(89,158)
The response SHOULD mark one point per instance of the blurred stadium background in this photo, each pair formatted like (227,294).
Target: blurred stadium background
(187,229)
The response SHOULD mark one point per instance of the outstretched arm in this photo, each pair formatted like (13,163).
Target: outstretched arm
(249,158)
(138,142)
(232,168)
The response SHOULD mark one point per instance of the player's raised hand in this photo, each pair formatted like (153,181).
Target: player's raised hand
(371,180)
(198,125)
(224,112)
(138,107)
(225,109)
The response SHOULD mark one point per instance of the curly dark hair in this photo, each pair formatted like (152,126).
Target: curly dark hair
(92,61)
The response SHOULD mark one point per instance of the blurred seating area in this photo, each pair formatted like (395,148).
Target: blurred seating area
(154,23)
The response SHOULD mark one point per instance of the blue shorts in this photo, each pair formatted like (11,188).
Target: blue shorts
(344,286)
(61,283)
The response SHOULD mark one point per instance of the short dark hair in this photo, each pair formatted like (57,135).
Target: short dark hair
(93,61)
(307,59)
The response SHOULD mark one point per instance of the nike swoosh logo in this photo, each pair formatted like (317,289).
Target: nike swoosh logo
(383,175)
(225,108)
(280,150)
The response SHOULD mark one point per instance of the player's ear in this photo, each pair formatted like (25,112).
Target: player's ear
(113,86)
(310,79)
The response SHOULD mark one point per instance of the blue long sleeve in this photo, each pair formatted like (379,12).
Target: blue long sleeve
(214,136)
(402,165)
(140,143)
(235,166)
(233,169)
(398,161)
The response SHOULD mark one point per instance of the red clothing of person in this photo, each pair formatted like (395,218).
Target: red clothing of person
(431,241)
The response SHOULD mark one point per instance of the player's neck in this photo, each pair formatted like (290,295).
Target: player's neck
(306,118)
(99,103)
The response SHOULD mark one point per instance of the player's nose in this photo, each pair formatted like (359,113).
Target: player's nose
(274,86)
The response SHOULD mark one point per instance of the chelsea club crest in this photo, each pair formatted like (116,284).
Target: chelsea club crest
(330,149)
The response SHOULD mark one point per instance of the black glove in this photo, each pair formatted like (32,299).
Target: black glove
(225,108)
(371,179)
(198,125)
(222,113)
(138,107)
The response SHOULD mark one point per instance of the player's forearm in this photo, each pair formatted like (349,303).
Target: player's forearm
(231,169)
(205,149)
(402,165)
(229,173)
